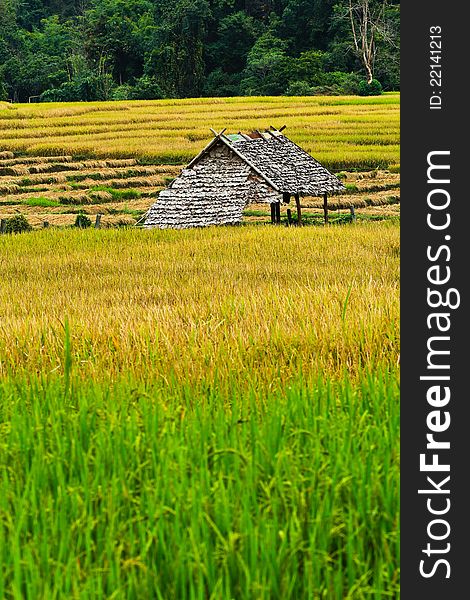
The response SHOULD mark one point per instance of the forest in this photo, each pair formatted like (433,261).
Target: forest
(84,50)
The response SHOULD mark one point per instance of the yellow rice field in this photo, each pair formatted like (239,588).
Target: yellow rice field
(341,132)
(113,158)
(242,302)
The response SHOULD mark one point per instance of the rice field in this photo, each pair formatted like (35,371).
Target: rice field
(53,190)
(201,414)
(112,159)
(341,132)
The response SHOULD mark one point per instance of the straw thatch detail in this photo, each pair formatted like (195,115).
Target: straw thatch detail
(233,171)
(287,166)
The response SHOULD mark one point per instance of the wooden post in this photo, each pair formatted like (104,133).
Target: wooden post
(299,211)
(289,216)
(97,221)
(353,214)
(2,225)
(273,212)
(325,208)
(278,212)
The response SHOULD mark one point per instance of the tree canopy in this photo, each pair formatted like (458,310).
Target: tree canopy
(72,50)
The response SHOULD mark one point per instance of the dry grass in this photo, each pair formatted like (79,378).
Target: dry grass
(249,301)
(340,132)
(31,160)
(91,183)
(358,201)
(124,140)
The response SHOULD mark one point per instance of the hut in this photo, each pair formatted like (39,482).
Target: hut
(235,170)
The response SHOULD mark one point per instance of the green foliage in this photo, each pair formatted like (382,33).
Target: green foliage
(339,82)
(144,49)
(123,92)
(374,88)
(86,83)
(219,83)
(330,84)
(299,88)
(3,91)
(308,66)
(236,35)
(268,68)
(146,88)
(82,221)
(41,201)
(176,55)
(17,224)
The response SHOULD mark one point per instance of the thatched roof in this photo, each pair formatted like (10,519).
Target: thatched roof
(280,162)
(233,171)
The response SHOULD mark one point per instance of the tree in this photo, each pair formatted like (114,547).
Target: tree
(90,49)
(85,82)
(111,30)
(268,67)
(177,59)
(387,64)
(368,24)
(305,24)
(236,35)
(308,67)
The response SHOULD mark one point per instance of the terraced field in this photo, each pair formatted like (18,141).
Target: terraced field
(54,189)
(113,158)
(342,132)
